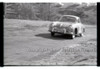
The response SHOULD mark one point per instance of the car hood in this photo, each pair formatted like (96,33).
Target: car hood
(62,24)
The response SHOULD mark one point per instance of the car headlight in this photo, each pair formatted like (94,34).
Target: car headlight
(70,28)
(50,26)
(64,30)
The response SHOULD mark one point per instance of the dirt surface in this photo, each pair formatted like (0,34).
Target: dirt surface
(29,43)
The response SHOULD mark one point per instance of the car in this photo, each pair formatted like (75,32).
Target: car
(67,25)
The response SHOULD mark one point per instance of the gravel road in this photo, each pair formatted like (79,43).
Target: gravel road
(26,43)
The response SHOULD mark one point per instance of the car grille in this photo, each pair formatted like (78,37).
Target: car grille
(62,29)
(57,29)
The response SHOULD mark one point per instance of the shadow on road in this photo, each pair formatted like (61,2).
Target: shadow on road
(56,37)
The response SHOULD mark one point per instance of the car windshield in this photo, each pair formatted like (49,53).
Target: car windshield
(67,19)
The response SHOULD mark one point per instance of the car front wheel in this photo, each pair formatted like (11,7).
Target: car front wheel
(81,35)
(72,36)
(52,33)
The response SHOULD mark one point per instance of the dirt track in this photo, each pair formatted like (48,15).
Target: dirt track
(27,42)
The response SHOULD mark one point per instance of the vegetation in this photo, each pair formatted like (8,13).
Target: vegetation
(51,11)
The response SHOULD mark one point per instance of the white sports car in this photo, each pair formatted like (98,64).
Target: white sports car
(67,24)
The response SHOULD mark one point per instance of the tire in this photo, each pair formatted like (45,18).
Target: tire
(72,36)
(75,32)
(52,33)
(81,35)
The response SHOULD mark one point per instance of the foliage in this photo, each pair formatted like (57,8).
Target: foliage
(50,11)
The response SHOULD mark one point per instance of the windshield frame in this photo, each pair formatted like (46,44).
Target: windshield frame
(67,16)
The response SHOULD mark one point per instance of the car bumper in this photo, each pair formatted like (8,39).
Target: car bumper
(63,31)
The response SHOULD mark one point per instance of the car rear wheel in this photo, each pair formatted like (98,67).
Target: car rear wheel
(52,33)
(81,35)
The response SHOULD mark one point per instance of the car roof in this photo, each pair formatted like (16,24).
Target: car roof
(72,16)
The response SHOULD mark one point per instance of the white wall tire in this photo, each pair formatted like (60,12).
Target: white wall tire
(72,36)
(81,35)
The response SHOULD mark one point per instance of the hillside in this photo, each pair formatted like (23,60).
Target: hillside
(51,11)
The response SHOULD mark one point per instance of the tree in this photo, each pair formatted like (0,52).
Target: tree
(20,10)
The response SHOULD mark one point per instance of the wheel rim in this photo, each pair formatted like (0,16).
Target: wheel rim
(82,34)
(73,36)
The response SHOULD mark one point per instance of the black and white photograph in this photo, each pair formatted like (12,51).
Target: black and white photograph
(50,34)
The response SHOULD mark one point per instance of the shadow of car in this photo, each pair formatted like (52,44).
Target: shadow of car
(57,37)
